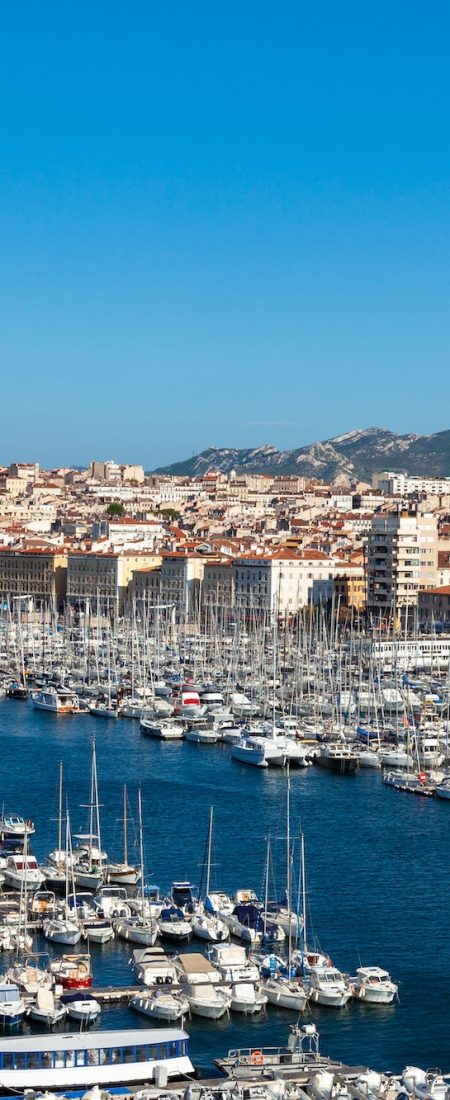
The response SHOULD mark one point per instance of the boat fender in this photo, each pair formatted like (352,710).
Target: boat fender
(257,1058)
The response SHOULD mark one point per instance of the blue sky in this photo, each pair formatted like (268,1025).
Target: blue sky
(221,224)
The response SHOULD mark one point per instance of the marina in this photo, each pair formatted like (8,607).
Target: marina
(356,900)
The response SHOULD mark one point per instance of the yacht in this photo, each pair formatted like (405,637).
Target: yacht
(15,827)
(161,728)
(153,967)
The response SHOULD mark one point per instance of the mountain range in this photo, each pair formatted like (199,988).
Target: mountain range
(355,455)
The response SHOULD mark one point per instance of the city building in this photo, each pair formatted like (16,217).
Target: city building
(401,559)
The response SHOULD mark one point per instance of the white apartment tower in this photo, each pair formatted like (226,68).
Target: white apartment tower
(402,559)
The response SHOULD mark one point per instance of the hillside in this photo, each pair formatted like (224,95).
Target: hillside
(358,454)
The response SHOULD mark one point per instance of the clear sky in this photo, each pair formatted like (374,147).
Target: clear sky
(221,223)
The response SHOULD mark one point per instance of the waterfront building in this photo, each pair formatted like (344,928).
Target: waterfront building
(40,574)
(103,578)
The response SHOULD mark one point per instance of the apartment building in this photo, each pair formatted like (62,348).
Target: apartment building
(39,574)
(103,578)
(402,559)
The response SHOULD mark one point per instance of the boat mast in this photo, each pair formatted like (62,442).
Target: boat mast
(208,865)
(266,888)
(141,855)
(60,795)
(288,863)
(125,843)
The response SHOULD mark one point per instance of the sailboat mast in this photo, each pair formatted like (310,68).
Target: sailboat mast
(141,853)
(125,839)
(303,894)
(60,811)
(210,833)
(266,887)
(288,862)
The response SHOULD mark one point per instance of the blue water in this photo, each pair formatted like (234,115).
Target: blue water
(377,861)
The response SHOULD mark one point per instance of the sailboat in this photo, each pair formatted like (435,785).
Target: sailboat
(55,869)
(139,928)
(205,924)
(123,874)
(281,986)
(64,927)
(89,860)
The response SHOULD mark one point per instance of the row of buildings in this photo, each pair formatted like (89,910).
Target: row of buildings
(111,535)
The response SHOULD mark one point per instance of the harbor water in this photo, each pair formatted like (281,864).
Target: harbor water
(377,869)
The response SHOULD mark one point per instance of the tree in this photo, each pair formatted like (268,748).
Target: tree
(115,509)
(170,513)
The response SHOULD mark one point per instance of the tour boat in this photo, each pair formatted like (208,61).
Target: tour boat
(104,1058)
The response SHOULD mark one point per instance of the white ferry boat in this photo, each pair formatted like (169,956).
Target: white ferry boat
(102,1058)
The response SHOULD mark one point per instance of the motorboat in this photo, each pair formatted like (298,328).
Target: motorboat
(22,872)
(15,826)
(300,1053)
(247,998)
(162,728)
(72,971)
(112,902)
(12,1005)
(327,986)
(233,963)
(373,985)
(103,709)
(103,1058)
(201,983)
(56,701)
(97,930)
(425,1084)
(285,992)
(248,923)
(396,758)
(173,925)
(45,1010)
(29,976)
(153,967)
(337,757)
(185,896)
(161,1004)
(200,734)
(81,1006)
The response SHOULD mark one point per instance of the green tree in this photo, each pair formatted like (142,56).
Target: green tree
(115,509)
(170,513)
